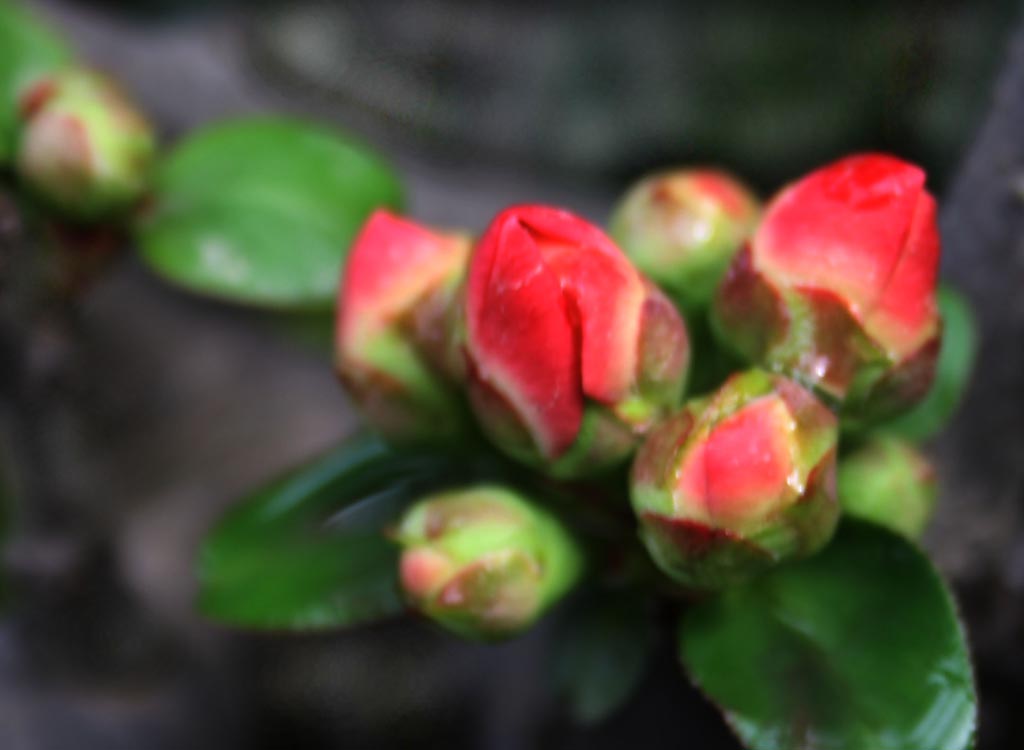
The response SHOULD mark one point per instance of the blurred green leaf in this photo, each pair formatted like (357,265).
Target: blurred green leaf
(952,374)
(858,648)
(27,50)
(307,551)
(263,211)
(602,654)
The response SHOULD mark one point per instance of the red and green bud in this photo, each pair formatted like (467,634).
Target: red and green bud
(484,562)
(394,346)
(573,355)
(83,146)
(737,481)
(682,229)
(837,286)
(888,482)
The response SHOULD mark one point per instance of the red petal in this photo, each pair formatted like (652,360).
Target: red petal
(906,314)
(740,470)
(393,262)
(608,300)
(558,225)
(604,290)
(520,336)
(842,228)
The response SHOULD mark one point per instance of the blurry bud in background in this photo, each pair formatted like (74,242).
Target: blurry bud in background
(83,147)
(888,481)
(484,562)
(682,228)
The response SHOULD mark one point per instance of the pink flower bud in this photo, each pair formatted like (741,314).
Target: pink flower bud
(395,352)
(484,562)
(837,287)
(682,228)
(737,481)
(572,354)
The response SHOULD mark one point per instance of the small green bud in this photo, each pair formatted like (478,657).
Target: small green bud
(888,482)
(84,147)
(483,562)
(682,229)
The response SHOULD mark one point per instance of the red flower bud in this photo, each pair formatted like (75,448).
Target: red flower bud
(682,228)
(573,354)
(737,481)
(837,287)
(395,351)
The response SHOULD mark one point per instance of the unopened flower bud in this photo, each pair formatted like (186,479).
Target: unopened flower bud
(682,229)
(737,481)
(573,355)
(837,286)
(483,562)
(394,348)
(84,147)
(889,482)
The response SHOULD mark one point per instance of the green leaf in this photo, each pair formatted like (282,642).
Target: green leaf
(956,361)
(602,654)
(28,49)
(308,552)
(858,648)
(263,211)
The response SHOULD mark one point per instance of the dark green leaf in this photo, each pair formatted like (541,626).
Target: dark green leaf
(27,50)
(307,551)
(263,211)
(602,654)
(956,361)
(858,648)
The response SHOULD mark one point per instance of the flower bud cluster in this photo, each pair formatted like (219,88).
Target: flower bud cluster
(569,351)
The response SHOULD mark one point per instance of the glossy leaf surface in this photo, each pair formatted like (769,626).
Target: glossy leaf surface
(858,648)
(263,211)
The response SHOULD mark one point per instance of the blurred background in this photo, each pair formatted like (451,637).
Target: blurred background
(179,405)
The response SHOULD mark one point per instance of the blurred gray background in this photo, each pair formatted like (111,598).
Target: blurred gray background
(178,405)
